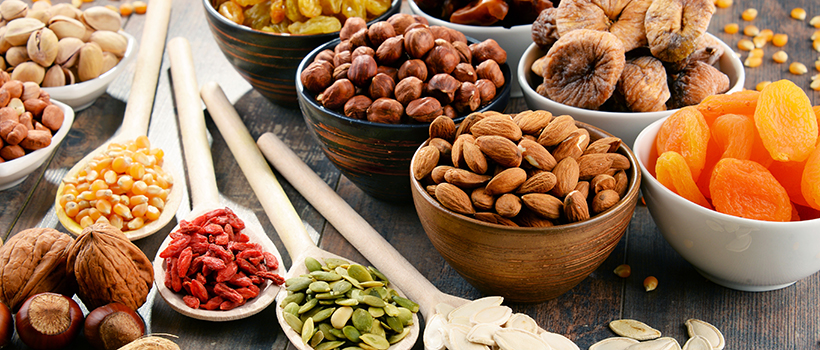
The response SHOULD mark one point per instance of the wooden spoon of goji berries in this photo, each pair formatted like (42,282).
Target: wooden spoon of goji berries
(205,198)
(134,123)
(277,205)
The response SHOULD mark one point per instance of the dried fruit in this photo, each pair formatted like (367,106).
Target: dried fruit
(686,133)
(695,83)
(810,178)
(625,21)
(746,189)
(741,102)
(643,85)
(544,29)
(672,172)
(673,27)
(786,122)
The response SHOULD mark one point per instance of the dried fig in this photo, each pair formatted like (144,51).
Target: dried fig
(693,84)
(708,51)
(544,30)
(583,68)
(624,19)
(643,85)
(674,27)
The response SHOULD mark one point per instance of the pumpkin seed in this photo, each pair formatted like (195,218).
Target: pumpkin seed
(371,284)
(706,330)
(347,302)
(376,341)
(332,263)
(352,281)
(325,328)
(362,320)
(329,345)
(310,313)
(327,302)
(325,276)
(634,329)
(307,330)
(395,324)
(464,321)
(341,316)
(407,303)
(313,264)
(352,348)
(297,298)
(378,329)
(664,343)
(316,338)
(328,295)
(433,336)
(444,309)
(373,301)
(391,310)
(341,271)
(351,333)
(377,273)
(469,309)
(483,334)
(406,316)
(359,272)
(341,287)
(496,315)
(518,339)
(376,312)
(522,321)
(323,315)
(458,340)
(293,321)
(292,308)
(395,338)
(295,284)
(380,291)
(338,333)
(558,341)
(614,343)
(308,305)
(366,347)
(697,342)
(319,287)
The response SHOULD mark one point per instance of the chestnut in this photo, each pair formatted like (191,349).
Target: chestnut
(6,325)
(112,326)
(48,321)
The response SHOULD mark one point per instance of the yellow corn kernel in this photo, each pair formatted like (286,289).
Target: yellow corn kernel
(136,170)
(780,40)
(767,34)
(116,146)
(157,153)
(81,214)
(82,204)
(798,13)
(123,211)
(139,210)
(104,194)
(723,3)
(815,85)
(153,190)
(126,9)
(780,56)
(91,176)
(815,35)
(116,221)
(86,196)
(815,22)
(752,62)
(160,181)
(798,68)
(816,44)
(145,159)
(102,220)
(67,198)
(157,202)
(139,187)
(115,199)
(152,213)
(71,209)
(94,213)
(745,44)
(92,203)
(756,53)
(759,41)
(650,283)
(125,200)
(761,85)
(142,141)
(125,182)
(751,30)
(87,220)
(83,187)
(817,64)
(98,184)
(120,164)
(731,28)
(140,7)
(135,224)
(139,199)
(148,179)
(103,206)
(110,177)
(163,195)
(102,164)
(623,271)
(749,14)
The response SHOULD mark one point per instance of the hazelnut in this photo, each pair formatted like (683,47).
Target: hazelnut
(464,72)
(421,20)
(14,87)
(408,89)
(486,89)
(391,50)
(443,87)
(449,111)
(457,36)
(488,50)
(385,110)
(379,32)
(489,69)
(414,26)
(342,58)
(418,41)
(356,107)
(8,113)
(362,70)
(351,26)
(415,68)
(12,132)
(345,45)
(317,76)
(467,98)
(464,53)
(359,38)
(441,32)
(401,21)
(393,73)
(335,96)
(443,58)
(424,110)
(362,50)
(341,71)
(381,86)
(325,55)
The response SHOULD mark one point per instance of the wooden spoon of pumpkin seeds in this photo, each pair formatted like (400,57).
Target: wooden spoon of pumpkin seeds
(298,242)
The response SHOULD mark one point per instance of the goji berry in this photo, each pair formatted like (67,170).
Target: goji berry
(201,278)
(220,252)
(191,301)
(241,237)
(212,229)
(221,239)
(184,261)
(227,273)
(228,293)
(248,254)
(228,305)
(244,265)
(199,248)
(213,263)
(213,303)
(198,290)
(247,293)
(229,230)
(240,280)
(271,261)
(274,277)
(256,279)
(239,246)
(199,221)
(175,247)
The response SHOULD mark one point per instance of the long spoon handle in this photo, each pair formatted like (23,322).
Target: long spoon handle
(351,225)
(273,198)
(198,158)
(149,58)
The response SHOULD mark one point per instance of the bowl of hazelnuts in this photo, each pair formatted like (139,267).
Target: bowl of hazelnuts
(369,96)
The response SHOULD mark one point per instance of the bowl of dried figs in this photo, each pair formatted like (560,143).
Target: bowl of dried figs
(265,41)
(369,96)
(618,75)
(524,206)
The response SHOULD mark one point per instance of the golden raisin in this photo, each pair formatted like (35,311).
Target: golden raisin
(231,11)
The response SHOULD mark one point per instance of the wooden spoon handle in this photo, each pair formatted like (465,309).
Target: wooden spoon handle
(350,224)
(198,160)
(149,58)
(273,198)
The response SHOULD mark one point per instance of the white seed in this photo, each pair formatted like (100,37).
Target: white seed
(444,309)
(697,343)
(614,343)
(496,315)
(433,337)
(664,343)
(471,308)
(483,334)
(518,339)
(634,329)
(458,340)
(464,321)
(559,342)
(706,330)
(523,322)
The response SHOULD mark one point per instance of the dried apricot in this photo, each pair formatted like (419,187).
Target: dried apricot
(672,171)
(734,135)
(810,183)
(713,155)
(673,27)
(789,174)
(685,132)
(746,189)
(786,122)
(741,102)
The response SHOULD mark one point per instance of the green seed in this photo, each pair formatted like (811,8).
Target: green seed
(316,338)
(380,292)
(313,264)
(405,316)
(407,303)
(362,320)
(308,305)
(366,347)
(378,329)
(351,333)
(337,333)
(327,302)
(325,276)
(323,315)
(325,328)
(395,338)
(391,310)
(342,271)
(359,272)
(377,273)
(373,301)
(296,284)
(341,287)
(310,313)
(376,341)
(352,348)
(307,330)
(297,298)
(341,316)
(328,345)
(352,281)
(293,321)
(395,324)
(356,294)
(375,311)
(319,287)
(332,263)
(292,308)
(329,295)
(347,302)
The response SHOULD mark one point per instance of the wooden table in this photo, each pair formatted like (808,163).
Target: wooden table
(783,319)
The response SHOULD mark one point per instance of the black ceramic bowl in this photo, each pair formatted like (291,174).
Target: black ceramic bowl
(375,156)
(268,61)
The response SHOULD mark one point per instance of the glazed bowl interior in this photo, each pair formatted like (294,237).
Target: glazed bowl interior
(527,264)
(626,125)
(739,253)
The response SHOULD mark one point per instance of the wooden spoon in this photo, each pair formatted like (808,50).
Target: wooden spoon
(204,191)
(137,116)
(276,203)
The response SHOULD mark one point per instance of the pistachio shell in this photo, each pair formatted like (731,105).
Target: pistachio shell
(16,55)
(112,42)
(614,343)
(66,27)
(42,47)
(4,45)
(68,49)
(11,9)
(40,6)
(90,62)
(109,61)
(29,71)
(40,15)
(30,90)
(20,29)
(65,10)
(101,18)
(705,329)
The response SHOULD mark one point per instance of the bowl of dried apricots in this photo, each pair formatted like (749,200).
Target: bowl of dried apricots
(732,185)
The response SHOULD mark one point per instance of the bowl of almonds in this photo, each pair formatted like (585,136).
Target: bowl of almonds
(524,206)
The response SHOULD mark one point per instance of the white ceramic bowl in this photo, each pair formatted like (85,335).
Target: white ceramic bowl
(15,171)
(81,95)
(514,40)
(625,125)
(743,254)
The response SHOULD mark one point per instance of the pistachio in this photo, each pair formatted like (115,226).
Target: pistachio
(90,62)
(30,91)
(58,76)
(42,47)
(29,71)
(109,61)
(68,50)
(4,45)
(40,6)
(112,42)
(11,9)
(101,18)
(20,29)
(16,55)
(65,10)
(40,15)
(66,27)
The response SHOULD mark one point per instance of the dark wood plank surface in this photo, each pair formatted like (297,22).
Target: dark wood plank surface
(783,319)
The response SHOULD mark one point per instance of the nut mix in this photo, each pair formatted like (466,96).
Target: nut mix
(214,264)
(27,118)
(596,62)
(59,45)
(299,17)
(529,169)
(485,12)
(404,71)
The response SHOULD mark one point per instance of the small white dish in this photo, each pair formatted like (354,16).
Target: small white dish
(14,171)
(82,95)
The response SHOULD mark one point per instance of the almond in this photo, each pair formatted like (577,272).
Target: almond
(557,130)
(494,218)
(456,154)
(508,205)
(604,200)
(465,178)
(443,127)
(602,182)
(472,155)
(506,181)
(566,177)
(499,125)
(621,183)
(593,164)
(453,198)
(426,160)
(467,123)
(619,161)
(573,146)
(431,190)
(501,150)
(529,219)
(536,155)
(545,205)
(532,122)
(575,207)
(481,199)
(444,146)
(542,182)
(604,145)
(583,187)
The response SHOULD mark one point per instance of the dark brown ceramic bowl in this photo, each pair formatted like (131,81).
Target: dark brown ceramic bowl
(374,156)
(525,264)
(268,61)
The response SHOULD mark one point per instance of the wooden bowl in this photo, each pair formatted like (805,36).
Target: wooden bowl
(374,156)
(526,264)
(268,61)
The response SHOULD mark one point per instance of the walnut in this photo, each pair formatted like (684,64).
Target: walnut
(109,268)
(34,261)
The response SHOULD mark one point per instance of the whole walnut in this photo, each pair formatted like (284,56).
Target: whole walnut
(34,261)
(109,268)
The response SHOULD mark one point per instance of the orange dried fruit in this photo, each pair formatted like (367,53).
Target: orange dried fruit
(685,132)
(789,175)
(734,135)
(810,183)
(786,122)
(741,102)
(746,189)
(713,155)
(674,174)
